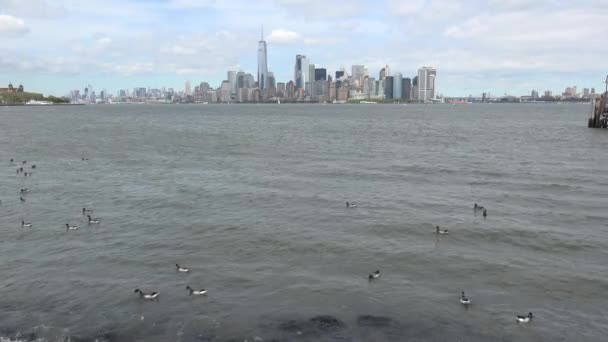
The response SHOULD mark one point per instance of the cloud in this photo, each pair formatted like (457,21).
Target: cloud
(562,29)
(12,27)
(186,4)
(32,8)
(281,36)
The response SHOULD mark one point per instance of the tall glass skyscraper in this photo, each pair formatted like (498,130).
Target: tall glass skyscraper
(397,84)
(262,64)
(301,72)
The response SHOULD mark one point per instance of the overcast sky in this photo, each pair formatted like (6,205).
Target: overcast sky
(498,46)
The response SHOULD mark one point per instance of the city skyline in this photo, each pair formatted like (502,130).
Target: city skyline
(126,45)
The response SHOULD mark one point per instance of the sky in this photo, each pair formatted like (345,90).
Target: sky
(495,46)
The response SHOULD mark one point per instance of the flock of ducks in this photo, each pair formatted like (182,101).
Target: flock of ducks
(464,300)
(23,191)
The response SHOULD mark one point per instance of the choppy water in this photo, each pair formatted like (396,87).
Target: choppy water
(251,198)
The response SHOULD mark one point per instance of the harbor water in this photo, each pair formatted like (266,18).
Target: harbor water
(252,199)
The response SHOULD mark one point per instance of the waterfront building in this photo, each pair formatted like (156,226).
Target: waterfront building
(386,71)
(397,86)
(406,88)
(232,79)
(388,87)
(320,74)
(426,83)
(262,64)
(301,71)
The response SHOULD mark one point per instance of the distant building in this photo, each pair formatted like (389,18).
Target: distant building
(12,89)
(415,88)
(397,86)
(386,71)
(484,97)
(548,93)
(586,92)
(534,95)
(300,71)
(339,74)
(290,90)
(311,75)
(388,87)
(188,88)
(358,74)
(232,79)
(262,64)
(320,74)
(426,83)
(406,88)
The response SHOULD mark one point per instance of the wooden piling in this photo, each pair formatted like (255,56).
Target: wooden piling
(599,113)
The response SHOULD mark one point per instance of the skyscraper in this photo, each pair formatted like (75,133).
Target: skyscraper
(339,74)
(359,72)
(301,71)
(388,87)
(406,88)
(426,83)
(397,84)
(320,74)
(188,89)
(386,71)
(262,63)
(232,80)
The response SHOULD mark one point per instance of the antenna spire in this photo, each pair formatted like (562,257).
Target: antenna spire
(262,36)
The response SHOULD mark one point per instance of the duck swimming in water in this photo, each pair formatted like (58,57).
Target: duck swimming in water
(143,295)
(25,190)
(25,225)
(464,300)
(351,204)
(477,207)
(374,275)
(182,269)
(524,319)
(440,231)
(92,220)
(196,292)
(22,199)
(68,227)
(485,213)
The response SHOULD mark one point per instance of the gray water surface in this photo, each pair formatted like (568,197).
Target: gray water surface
(252,199)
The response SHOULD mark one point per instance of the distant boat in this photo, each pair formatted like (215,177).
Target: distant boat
(278,101)
(205,102)
(368,102)
(38,103)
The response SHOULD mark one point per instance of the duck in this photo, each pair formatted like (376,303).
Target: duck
(86,211)
(152,295)
(22,199)
(33,166)
(374,275)
(92,220)
(68,227)
(525,319)
(24,162)
(12,160)
(25,190)
(182,269)
(196,292)
(464,300)
(478,207)
(441,231)
(351,204)
(25,225)
(485,213)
